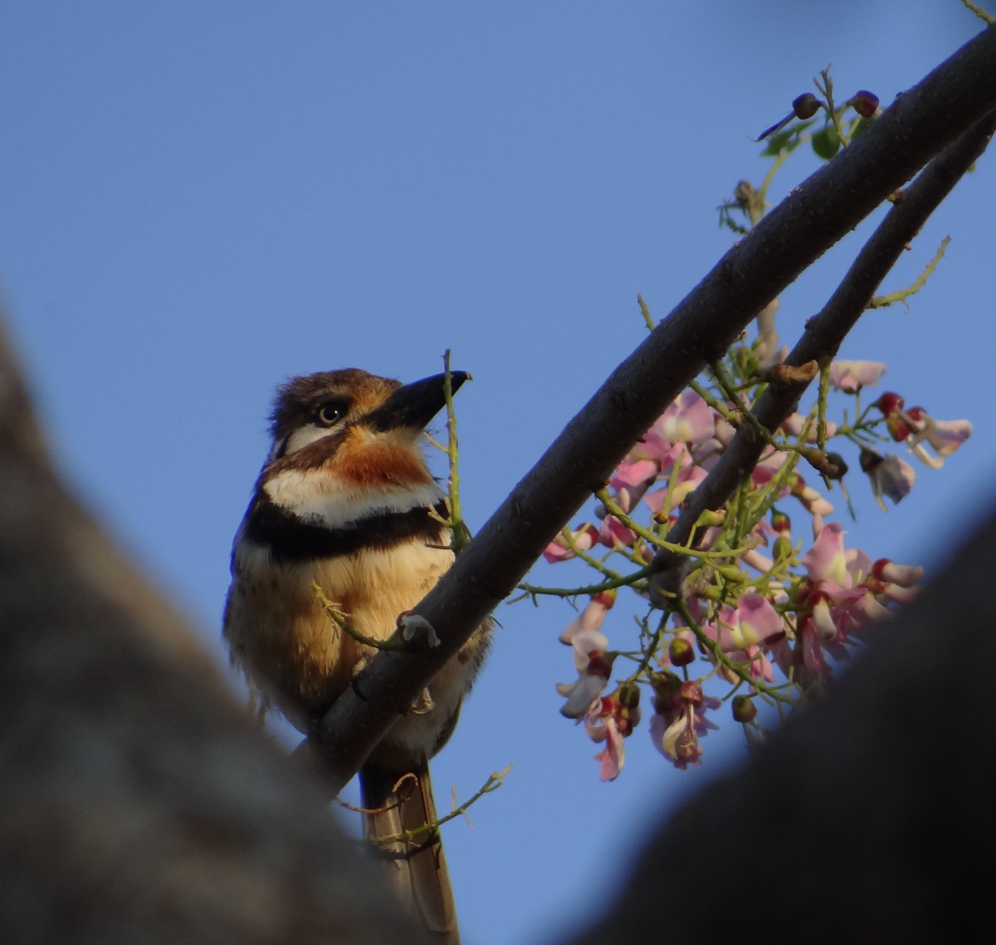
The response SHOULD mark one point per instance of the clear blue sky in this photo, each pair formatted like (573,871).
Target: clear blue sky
(201,199)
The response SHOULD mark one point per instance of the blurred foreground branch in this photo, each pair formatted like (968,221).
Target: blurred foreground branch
(137,802)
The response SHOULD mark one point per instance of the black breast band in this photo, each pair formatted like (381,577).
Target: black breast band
(291,540)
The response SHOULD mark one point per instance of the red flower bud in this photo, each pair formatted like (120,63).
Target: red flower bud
(865,103)
(744,709)
(807,105)
(606,598)
(680,652)
(890,401)
(780,522)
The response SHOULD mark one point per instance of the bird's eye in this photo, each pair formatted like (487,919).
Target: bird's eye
(330,412)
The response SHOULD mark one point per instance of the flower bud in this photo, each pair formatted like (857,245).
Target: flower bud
(680,652)
(606,598)
(744,709)
(865,103)
(732,573)
(783,547)
(711,517)
(820,462)
(628,695)
(691,692)
(889,401)
(780,522)
(666,685)
(905,575)
(807,105)
(784,374)
(837,460)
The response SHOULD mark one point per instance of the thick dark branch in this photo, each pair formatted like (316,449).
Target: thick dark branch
(825,332)
(819,212)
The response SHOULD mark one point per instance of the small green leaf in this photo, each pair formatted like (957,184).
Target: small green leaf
(861,126)
(777,142)
(826,143)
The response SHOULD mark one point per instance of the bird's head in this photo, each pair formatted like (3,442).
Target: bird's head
(345,441)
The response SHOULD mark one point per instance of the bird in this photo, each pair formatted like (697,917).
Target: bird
(345,500)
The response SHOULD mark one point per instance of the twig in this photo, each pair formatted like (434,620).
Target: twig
(408,836)
(901,295)
(394,642)
(979,12)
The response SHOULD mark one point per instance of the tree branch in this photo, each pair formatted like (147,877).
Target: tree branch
(816,214)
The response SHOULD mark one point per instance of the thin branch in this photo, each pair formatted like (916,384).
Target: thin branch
(338,618)
(816,214)
(979,12)
(901,295)
(408,836)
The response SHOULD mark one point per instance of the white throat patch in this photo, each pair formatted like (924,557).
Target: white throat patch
(317,497)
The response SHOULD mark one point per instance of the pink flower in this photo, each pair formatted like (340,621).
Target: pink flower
(578,632)
(613,756)
(905,575)
(688,420)
(945,436)
(853,375)
(613,534)
(589,648)
(631,473)
(896,582)
(679,719)
(631,479)
(754,621)
(589,686)
(585,537)
(610,720)
(768,466)
(890,476)
(826,560)
(685,482)
(812,501)
(794,423)
(836,599)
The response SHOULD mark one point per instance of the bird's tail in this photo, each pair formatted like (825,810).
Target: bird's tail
(402,801)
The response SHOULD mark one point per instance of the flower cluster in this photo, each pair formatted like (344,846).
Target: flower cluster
(734,596)
(755,610)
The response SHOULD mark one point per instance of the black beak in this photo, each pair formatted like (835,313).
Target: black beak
(415,404)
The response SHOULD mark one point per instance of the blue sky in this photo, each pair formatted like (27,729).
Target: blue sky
(202,199)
